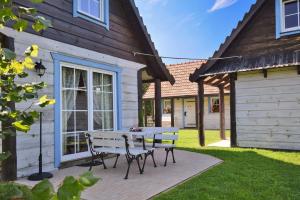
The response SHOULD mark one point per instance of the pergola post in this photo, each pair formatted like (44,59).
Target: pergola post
(172,113)
(233,136)
(222,112)
(140,98)
(158,111)
(200,110)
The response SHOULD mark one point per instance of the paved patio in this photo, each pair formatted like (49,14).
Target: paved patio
(139,187)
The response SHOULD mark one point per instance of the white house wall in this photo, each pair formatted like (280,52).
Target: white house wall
(28,144)
(268,109)
(211,120)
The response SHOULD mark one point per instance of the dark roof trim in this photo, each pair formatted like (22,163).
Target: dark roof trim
(163,67)
(229,39)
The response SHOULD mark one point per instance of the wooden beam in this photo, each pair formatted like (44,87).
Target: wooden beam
(212,79)
(222,112)
(172,112)
(200,104)
(265,72)
(197,116)
(158,111)
(298,69)
(140,98)
(9,165)
(233,136)
(224,80)
(145,114)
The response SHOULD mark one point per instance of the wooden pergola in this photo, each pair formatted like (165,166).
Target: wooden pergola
(222,81)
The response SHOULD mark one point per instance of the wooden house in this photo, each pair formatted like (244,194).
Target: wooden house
(179,101)
(92,72)
(259,63)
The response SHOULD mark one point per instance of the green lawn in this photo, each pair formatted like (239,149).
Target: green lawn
(189,138)
(248,174)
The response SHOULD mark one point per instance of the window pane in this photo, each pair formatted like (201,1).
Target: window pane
(81,79)
(107,83)
(107,101)
(108,120)
(291,21)
(67,77)
(68,99)
(84,5)
(97,101)
(95,8)
(68,121)
(81,121)
(98,118)
(68,144)
(81,145)
(81,100)
(291,8)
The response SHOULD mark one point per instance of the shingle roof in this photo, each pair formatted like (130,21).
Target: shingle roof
(182,86)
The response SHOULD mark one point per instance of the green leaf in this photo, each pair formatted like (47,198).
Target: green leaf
(32,51)
(7,54)
(6,14)
(25,10)
(40,23)
(20,126)
(20,25)
(43,191)
(5,2)
(87,179)
(44,101)
(70,189)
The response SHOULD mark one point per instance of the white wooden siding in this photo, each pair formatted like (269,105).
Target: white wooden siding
(28,144)
(211,120)
(268,109)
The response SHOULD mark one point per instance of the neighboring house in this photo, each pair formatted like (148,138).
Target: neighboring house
(91,72)
(265,80)
(184,93)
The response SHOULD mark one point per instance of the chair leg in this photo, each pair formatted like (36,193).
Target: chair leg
(146,155)
(152,155)
(167,153)
(172,151)
(129,163)
(138,162)
(92,163)
(102,160)
(115,165)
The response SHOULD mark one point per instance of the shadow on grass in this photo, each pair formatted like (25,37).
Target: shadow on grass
(245,174)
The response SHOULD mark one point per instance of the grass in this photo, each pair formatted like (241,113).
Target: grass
(247,174)
(189,137)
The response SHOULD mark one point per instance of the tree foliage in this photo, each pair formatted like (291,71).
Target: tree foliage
(13,69)
(70,189)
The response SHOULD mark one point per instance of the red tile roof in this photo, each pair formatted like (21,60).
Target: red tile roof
(182,86)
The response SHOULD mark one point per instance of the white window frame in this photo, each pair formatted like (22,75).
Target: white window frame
(102,11)
(164,105)
(90,71)
(282,11)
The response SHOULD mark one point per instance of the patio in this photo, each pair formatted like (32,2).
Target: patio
(139,187)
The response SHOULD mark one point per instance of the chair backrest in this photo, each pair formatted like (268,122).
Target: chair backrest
(110,139)
(164,136)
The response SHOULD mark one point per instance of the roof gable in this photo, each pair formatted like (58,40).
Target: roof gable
(229,39)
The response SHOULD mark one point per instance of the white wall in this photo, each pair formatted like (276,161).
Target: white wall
(211,120)
(268,109)
(28,144)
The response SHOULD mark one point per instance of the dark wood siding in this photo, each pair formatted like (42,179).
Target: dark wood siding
(258,42)
(119,41)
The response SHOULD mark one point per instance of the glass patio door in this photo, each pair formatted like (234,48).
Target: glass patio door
(87,102)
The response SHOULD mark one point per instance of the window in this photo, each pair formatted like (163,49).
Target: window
(214,105)
(92,10)
(290,15)
(167,108)
(87,104)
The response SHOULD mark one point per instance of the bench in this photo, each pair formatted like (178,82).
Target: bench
(162,138)
(102,143)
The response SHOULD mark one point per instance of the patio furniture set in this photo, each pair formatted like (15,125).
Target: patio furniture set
(135,145)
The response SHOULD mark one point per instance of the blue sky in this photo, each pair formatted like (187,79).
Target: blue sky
(194,29)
